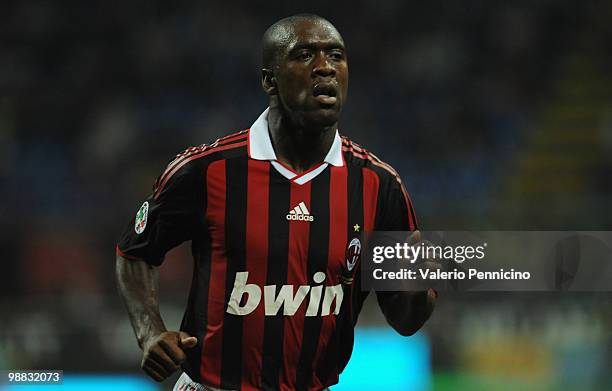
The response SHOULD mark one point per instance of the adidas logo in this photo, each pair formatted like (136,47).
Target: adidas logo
(300,213)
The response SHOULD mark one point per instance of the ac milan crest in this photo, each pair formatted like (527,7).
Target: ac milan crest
(352,256)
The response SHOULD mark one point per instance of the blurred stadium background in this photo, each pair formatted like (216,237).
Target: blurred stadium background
(497,114)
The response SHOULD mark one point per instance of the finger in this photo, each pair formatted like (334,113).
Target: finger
(175,353)
(430,256)
(189,342)
(414,237)
(432,265)
(159,356)
(153,373)
(157,368)
(432,293)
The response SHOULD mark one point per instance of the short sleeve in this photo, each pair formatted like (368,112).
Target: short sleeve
(167,218)
(395,210)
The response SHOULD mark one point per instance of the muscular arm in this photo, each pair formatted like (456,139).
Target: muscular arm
(407,312)
(167,218)
(138,286)
(163,350)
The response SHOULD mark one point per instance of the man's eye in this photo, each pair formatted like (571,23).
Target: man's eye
(337,56)
(304,56)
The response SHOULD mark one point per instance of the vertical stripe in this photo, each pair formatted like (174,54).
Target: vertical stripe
(235,234)
(196,315)
(328,346)
(256,263)
(299,231)
(355,199)
(210,368)
(317,262)
(370,198)
(356,227)
(338,223)
(278,232)
(195,318)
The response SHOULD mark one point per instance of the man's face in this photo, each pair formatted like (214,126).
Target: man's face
(312,74)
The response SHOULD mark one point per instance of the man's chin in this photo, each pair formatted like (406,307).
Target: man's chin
(323,117)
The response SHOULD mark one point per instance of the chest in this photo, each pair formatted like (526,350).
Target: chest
(280,231)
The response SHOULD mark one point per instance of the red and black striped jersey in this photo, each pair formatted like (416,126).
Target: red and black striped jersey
(275,291)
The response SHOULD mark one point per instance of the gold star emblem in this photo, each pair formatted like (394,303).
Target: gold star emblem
(356,227)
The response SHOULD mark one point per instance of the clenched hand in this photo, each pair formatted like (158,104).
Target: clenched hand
(164,354)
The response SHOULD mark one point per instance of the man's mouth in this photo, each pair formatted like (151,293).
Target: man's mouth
(325,93)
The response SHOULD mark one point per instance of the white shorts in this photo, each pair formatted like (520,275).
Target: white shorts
(184,383)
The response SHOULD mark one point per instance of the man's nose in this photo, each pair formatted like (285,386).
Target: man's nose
(322,66)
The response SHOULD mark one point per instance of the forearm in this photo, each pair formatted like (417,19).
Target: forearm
(407,312)
(138,286)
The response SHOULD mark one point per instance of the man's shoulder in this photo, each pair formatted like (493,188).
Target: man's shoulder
(357,155)
(192,160)
(383,175)
(215,149)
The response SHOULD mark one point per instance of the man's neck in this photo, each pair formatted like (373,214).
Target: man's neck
(299,147)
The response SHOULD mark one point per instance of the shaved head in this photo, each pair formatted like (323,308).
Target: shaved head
(280,35)
(305,71)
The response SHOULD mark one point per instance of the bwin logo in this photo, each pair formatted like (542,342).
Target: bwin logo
(285,297)
(300,213)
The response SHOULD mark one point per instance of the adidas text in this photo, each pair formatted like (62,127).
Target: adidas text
(300,217)
(300,213)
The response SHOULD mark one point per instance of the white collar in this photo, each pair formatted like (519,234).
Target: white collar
(260,144)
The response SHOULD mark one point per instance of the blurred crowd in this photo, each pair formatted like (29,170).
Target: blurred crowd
(497,115)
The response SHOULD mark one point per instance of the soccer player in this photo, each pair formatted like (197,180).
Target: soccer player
(275,214)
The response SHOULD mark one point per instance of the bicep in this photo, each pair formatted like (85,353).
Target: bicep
(135,276)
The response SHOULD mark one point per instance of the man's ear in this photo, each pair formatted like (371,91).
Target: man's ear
(268,81)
